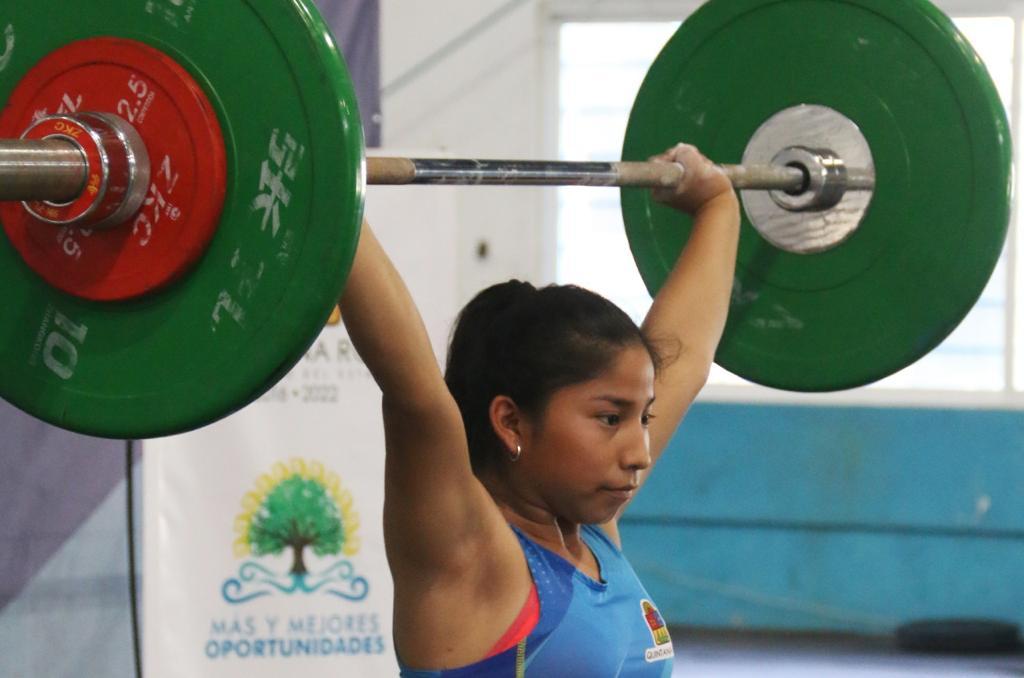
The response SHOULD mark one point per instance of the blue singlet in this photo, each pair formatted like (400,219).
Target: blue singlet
(587,628)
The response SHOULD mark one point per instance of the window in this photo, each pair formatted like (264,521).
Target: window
(597,86)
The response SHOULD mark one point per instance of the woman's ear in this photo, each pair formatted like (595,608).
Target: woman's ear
(507,422)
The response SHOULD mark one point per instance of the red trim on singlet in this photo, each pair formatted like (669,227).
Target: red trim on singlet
(521,627)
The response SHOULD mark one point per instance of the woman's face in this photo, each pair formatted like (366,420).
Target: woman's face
(583,459)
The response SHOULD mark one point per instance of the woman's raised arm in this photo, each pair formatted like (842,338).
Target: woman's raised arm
(427,462)
(386,329)
(689,311)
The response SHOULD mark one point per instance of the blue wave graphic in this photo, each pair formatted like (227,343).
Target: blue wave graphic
(256,581)
(355,588)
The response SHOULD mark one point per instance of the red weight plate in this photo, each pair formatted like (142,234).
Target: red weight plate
(188,169)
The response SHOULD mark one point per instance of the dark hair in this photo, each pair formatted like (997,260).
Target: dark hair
(516,340)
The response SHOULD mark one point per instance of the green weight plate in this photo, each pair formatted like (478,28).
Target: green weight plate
(217,338)
(937,221)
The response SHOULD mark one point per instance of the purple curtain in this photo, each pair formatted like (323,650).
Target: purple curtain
(356,28)
(50,482)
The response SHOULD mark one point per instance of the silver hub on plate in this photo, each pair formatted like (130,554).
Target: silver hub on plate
(824,144)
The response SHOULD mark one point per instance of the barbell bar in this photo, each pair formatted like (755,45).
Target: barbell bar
(247,223)
(401,171)
(55,170)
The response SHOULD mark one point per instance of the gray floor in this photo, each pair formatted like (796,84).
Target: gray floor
(704,654)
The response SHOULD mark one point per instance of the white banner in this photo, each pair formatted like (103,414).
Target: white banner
(263,547)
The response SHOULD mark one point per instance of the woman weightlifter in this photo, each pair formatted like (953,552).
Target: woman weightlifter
(504,478)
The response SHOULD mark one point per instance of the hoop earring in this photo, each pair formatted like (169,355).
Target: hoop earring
(514,456)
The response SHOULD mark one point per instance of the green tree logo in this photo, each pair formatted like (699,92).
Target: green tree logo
(297,506)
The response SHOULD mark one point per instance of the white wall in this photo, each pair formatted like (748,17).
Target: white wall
(483,100)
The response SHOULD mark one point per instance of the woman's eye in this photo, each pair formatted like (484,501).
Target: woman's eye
(646,419)
(610,419)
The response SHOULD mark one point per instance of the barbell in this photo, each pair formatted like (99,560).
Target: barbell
(181,209)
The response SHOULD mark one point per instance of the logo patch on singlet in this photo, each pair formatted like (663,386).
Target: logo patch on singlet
(659,633)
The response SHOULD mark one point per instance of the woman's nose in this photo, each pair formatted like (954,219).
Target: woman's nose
(637,454)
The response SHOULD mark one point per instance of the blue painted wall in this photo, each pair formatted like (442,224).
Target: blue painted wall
(853,519)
